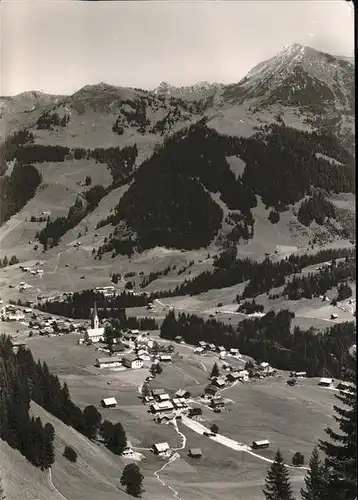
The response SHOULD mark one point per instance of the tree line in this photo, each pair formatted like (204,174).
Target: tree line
(316,208)
(270,338)
(34,381)
(17,189)
(316,284)
(79,305)
(229,271)
(28,435)
(51,234)
(194,161)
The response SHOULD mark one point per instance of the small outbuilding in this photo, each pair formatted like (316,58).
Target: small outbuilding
(109,402)
(108,362)
(195,453)
(260,444)
(182,393)
(165,358)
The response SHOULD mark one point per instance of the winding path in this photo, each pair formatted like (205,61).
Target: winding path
(53,486)
(172,459)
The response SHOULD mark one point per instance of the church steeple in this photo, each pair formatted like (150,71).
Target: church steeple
(95,319)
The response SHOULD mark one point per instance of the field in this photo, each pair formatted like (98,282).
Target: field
(293,419)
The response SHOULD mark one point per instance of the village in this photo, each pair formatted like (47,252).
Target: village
(196,404)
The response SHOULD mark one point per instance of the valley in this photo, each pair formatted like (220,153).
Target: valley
(220,214)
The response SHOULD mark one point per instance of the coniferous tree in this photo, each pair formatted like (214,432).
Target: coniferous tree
(215,371)
(314,480)
(132,479)
(277,481)
(341,449)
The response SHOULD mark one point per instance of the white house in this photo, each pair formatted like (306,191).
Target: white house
(132,361)
(326,382)
(108,362)
(95,333)
(166,358)
(234,351)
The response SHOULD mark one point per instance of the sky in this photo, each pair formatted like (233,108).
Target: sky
(58,46)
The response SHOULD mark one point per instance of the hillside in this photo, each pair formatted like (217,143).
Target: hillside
(23,110)
(187,168)
(96,472)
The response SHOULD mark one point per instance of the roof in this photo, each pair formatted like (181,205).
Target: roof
(326,380)
(264,364)
(113,359)
(195,451)
(262,441)
(163,397)
(93,332)
(161,446)
(129,358)
(109,401)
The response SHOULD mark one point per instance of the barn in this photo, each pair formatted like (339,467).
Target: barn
(109,402)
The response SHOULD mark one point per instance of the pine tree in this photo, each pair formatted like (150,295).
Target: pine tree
(215,371)
(341,450)
(277,481)
(132,479)
(92,420)
(314,479)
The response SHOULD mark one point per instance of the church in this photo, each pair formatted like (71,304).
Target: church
(95,333)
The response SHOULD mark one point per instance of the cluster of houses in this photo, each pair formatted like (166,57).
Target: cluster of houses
(39,322)
(165,407)
(204,347)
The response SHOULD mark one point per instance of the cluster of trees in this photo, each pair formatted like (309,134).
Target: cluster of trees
(193,161)
(146,280)
(316,284)
(79,305)
(229,271)
(51,234)
(278,151)
(48,120)
(123,245)
(114,436)
(250,307)
(270,338)
(46,390)
(120,162)
(17,189)
(39,153)
(133,113)
(11,145)
(22,432)
(6,262)
(316,208)
(335,475)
